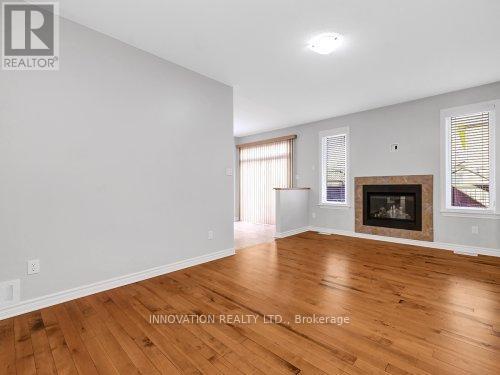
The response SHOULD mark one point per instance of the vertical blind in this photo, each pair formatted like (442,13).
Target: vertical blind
(263,167)
(470,160)
(335,164)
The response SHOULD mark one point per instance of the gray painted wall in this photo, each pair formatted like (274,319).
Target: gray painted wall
(112,165)
(415,126)
(292,207)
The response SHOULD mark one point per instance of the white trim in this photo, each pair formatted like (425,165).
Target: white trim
(470,108)
(465,253)
(322,141)
(471,215)
(292,232)
(459,249)
(100,286)
(446,114)
(334,206)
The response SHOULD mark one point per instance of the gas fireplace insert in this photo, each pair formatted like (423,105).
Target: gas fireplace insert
(393,206)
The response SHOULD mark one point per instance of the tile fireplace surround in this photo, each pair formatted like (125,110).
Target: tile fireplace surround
(427,232)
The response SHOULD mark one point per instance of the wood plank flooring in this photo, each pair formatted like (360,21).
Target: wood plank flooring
(411,311)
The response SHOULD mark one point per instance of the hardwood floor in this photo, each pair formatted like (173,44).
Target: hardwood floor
(411,311)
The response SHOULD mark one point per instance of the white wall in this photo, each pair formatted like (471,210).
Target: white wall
(292,208)
(416,127)
(112,165)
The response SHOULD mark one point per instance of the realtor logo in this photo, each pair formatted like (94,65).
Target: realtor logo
(30,36)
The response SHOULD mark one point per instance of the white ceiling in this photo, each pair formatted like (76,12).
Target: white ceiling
(394,50)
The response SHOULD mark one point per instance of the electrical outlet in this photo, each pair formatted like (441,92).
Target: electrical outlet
(33,266)
(210,234)
(313,215)
(475,229)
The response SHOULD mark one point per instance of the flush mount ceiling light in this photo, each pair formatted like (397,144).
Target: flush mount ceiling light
(325,43)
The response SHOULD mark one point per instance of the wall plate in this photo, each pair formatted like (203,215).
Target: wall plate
(10,292)
(33,266)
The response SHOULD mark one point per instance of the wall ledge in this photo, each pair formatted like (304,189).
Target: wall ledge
(293,188)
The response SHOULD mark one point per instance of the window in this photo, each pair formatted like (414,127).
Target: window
(469,158)
(334,167)
(264,166)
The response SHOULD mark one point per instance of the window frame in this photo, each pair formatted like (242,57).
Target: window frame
(323,135)
(446,115)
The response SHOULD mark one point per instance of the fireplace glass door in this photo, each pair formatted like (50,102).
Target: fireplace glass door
(393,206)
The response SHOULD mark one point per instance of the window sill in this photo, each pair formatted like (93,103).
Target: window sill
(334,206)
(473,214)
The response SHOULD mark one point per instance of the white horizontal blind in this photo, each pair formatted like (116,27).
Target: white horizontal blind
(470,160)
(335,164)
(262,168)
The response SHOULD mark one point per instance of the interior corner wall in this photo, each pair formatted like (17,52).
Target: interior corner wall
(415,126)
(112,165)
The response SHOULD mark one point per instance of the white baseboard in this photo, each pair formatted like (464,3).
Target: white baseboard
(290,232)
(459,249)
(70,294)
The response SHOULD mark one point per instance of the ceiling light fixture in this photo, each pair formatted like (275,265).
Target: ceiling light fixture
(325,43)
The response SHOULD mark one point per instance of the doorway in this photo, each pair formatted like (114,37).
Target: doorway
(263,166)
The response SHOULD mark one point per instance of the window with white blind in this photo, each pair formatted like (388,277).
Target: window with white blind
(334,167)
(469,158)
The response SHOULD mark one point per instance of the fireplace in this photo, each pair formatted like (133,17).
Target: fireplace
(393,206)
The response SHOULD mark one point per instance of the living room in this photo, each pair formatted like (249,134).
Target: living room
(256,187)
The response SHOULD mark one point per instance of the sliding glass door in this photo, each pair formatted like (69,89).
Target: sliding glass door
(263,167)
